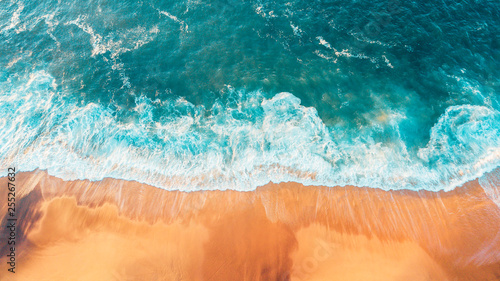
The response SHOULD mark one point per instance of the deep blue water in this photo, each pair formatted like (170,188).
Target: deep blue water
(234,94)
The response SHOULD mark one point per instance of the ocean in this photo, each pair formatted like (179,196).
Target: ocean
(196,95)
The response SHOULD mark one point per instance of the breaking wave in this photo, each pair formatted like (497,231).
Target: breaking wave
(241,143)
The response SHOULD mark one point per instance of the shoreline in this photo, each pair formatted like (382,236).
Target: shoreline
(456,183)
(283,231)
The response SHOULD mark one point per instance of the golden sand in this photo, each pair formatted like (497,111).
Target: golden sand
(119,230)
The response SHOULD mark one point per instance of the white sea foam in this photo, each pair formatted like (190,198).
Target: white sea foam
(128,40)
(261,11)
(491,184)
(296,30)
(346,53)
(324,43)
(239,145)
(14,20)
(184,27)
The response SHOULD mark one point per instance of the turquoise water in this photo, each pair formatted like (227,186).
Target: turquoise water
(233,94)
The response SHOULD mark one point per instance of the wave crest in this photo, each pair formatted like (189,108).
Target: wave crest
(240,144)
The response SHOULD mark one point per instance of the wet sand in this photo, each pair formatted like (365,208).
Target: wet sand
(119,230)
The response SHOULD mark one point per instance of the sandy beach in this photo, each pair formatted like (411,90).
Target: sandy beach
(119,230)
